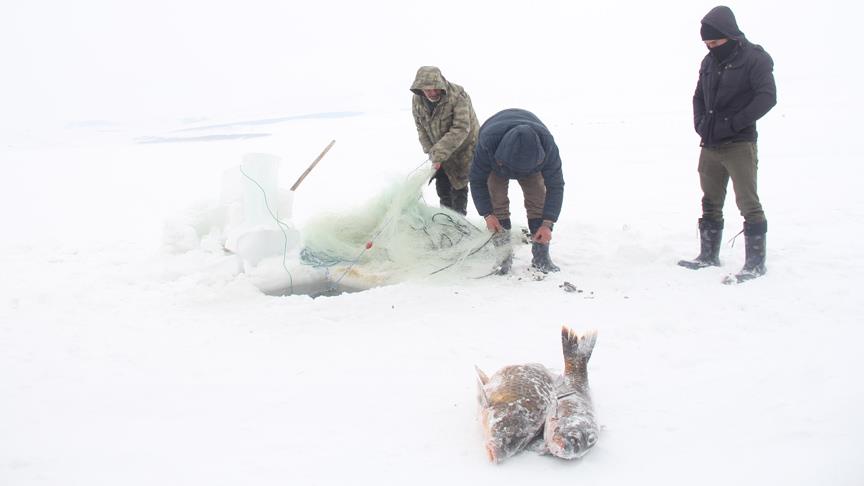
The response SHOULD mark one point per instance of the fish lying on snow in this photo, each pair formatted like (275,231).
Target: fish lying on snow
(514,403)
(571,430)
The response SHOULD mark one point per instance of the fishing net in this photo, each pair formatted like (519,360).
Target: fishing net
(396,236)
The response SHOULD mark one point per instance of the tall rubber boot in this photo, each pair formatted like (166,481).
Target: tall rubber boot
(710,235)
(541,260)
(459,201)
(754,251)
(504,251)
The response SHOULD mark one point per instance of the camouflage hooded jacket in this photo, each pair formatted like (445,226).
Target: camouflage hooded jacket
(448,132)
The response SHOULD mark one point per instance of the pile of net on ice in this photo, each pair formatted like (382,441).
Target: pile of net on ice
(394,237)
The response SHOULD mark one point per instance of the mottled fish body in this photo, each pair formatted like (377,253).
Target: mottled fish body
(514,404)
(571,429)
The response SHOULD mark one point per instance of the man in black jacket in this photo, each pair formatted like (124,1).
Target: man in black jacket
(735,88)
(515,144)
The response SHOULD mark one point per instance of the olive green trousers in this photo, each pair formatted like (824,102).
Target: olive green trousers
(739,162)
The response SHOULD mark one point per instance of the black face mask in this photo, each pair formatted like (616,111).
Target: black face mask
(721,53)
(430,105)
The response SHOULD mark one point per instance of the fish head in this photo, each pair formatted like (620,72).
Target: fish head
(568,442)
(503,434)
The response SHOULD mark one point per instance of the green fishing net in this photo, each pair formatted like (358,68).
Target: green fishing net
(396,236)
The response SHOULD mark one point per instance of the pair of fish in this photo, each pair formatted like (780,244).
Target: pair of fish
(520,403)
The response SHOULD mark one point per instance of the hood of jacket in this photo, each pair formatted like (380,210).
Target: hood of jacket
(722,19)
(429,77)
(520,149)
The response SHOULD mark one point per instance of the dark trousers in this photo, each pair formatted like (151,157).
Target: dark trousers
(739,162)
(455,199)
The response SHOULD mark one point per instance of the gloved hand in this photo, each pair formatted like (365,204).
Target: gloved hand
(492,224)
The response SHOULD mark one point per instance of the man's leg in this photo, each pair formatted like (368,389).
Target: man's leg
(713,178)
(498,187)
(742,163)
(534,190)
(443,188)
(459,198)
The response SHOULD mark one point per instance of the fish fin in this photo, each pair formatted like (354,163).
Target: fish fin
(482,379)
(481,376)
(577,349)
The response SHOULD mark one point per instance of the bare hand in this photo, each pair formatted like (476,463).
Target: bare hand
(543,235)
(492,224)
(436,165)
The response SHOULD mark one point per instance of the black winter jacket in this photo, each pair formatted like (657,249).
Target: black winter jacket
(731,95)
(489,144)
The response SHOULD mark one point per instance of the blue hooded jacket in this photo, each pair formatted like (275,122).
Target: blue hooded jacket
(514,144)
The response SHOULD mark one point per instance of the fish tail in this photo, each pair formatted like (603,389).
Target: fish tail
(577,349)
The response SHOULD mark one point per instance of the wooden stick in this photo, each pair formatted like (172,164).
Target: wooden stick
(311,166)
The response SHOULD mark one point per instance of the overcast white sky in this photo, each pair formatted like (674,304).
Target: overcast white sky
(168,59)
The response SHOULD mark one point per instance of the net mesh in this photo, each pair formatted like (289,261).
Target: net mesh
(397,235)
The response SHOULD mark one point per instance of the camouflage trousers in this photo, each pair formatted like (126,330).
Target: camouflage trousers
(533,189)
(739,162)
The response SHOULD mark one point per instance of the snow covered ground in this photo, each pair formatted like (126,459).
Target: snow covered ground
(123,361)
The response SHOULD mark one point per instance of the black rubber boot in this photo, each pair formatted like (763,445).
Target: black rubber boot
(754,250)
(541,260)
(710,235)
(504,251)
(459,201)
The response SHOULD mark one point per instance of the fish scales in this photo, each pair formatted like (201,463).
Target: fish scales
(514,406)
(571,429)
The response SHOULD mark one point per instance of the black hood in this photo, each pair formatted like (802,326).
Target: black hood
(722,19)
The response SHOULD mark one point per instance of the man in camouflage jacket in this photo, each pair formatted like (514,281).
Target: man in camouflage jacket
(447,127)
